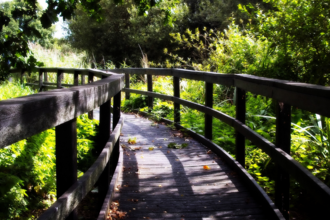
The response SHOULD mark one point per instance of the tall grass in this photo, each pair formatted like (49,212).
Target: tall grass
(58,56)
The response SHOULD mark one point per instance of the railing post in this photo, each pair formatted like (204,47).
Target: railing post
(59,78)
(22,76)
(116,109)
(150,99)
(90,80)
(45,76)
(208,103)
(66,158)
(127,94)
(104,134)
(283,141)
(240,116)
(76,78)
(82,79)
(176,87)
(40,79)
(45,79)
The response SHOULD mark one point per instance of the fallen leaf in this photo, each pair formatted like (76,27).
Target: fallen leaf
(151,148)
(209,152)
(206,167)
(121,134)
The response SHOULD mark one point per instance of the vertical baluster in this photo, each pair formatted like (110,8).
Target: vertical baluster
(176,87)
(240,115)
(127,94)
(150,99)
(66,158)
(45,76)
(45,79)
(22,76)
(76,78)
(104,134)
(40,79)
(59,78)
(82,79)
(283,141)
(208,103)
(90,80)
(116,109)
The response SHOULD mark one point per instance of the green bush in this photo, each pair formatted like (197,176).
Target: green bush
(27,168)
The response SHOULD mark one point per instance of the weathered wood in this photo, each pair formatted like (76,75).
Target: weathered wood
(59,78)
(240,116)
(306,178)
(25,116)
(208,103)
(82,79)
(71,198)
(45,76)
(22,76)
(127,95)
(176,92)
(116,108)
(76,78)
(66,158)
(150,185)
(150,99)
(90,80)
(112,187)
(283,141)
(104,134)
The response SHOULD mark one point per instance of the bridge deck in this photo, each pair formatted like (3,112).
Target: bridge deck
(168,183)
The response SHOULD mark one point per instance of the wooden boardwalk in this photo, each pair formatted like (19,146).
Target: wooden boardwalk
(168,183)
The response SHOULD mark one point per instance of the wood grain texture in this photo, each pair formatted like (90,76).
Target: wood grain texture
(71,198)
(280,157)
(172,183)
(25,116)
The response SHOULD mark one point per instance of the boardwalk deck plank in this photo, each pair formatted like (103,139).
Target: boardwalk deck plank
(165,183)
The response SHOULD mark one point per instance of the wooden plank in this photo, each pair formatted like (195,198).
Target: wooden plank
(25,116)
(111,190)
(210,77)
(246,177)
(66,159)
(71,198)
(177,172)
(305,96)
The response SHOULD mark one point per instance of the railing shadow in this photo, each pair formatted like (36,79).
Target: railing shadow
(172,182)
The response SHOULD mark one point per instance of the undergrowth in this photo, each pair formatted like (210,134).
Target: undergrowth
(27,168)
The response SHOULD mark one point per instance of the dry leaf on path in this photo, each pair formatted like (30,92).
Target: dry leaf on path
(206,167)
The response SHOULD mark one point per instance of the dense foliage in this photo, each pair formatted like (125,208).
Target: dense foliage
(27,168)
(123,33)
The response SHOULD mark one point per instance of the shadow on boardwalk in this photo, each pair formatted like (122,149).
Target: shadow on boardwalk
(168,183)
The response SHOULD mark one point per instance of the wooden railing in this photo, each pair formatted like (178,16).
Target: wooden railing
(286,93)
(23,117)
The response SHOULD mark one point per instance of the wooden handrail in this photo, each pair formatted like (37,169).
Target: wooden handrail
(25,116)
(309,97)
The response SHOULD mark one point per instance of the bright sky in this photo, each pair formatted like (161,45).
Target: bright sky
(59,30)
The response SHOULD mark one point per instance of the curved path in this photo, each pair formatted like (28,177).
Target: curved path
(161,183)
